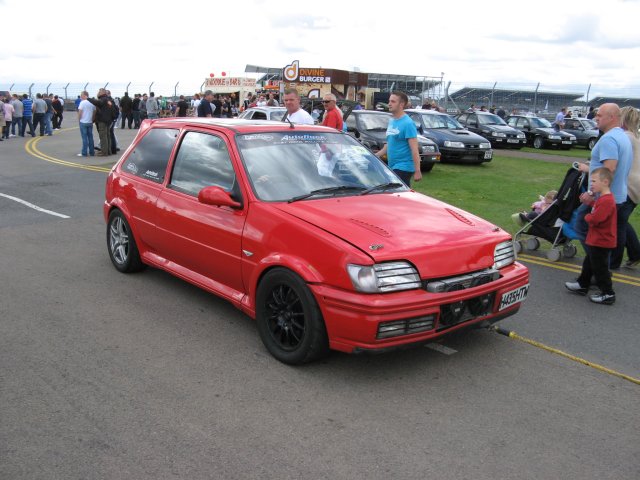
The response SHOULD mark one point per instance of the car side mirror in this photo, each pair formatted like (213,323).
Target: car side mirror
(218,197)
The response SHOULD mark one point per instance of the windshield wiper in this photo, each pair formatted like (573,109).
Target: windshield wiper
(382,187)
(322,191)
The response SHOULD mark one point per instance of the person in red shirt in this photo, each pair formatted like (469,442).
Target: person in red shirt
(601,240)
(332,116)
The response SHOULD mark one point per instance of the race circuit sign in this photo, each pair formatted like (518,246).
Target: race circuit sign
(293,73)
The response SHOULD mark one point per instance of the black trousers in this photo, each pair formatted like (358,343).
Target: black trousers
(596,263)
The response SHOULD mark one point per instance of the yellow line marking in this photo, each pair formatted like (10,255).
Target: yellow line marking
(568,355)
(618,277)
(31,148)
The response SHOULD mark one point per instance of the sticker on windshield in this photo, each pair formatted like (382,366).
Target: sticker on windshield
(303,138)
(259,136)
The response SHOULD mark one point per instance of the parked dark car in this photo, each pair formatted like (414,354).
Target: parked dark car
(540,133)
(493,128)
(455,142)
(584,129)
(369,127)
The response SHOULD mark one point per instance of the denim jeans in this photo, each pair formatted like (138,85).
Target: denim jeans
(27,121)
(39,119)
(86,132)
(626,235)
(48,128)
(136,118)
(16,121)
(404,176)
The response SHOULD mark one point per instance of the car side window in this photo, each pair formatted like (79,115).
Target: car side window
(416,120)
(259,116)
(150,157)
(202,161)
(523,122)
(463,118)
(512,121)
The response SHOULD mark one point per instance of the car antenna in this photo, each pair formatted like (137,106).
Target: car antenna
(286,119)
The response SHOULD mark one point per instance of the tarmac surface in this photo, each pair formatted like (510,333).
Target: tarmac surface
(105,375)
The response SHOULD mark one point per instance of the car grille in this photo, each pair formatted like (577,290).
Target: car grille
(405,327)
(465,310)
(461,282)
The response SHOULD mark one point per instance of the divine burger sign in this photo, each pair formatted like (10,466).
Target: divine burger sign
(293,73)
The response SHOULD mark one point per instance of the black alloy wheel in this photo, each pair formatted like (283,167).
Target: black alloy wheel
(288,318)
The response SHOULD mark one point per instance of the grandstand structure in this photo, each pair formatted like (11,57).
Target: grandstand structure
(540,101)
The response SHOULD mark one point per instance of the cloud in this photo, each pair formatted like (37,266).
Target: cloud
(299,21)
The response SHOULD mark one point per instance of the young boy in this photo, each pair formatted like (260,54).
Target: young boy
(601,239)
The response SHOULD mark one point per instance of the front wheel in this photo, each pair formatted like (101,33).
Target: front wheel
(538,142)
(288,318)
(426,167)
(592,143)
(122,247)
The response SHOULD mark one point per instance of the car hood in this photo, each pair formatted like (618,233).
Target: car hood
(458,136)
(500,128)
(439,239)
(550,131)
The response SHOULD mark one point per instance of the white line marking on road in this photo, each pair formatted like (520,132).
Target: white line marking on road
(438,347)
(35,207)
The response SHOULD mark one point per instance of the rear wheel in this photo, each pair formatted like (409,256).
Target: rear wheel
(538,142)
(288,318)
(554,254)
(122,247)
(569,250)
(533,243)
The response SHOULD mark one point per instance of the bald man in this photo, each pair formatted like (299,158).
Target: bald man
(614,152)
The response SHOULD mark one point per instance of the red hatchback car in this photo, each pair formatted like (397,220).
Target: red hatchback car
(307,232)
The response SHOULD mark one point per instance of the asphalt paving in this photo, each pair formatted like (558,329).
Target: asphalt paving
(105,375)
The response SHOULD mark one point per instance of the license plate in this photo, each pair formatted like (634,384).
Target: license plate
(514,296)
(487,155)
(567,142)
(512,140)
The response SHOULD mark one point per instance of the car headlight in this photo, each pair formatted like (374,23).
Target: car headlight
(572,138)
(521,135)
(485,145)
(503,255)
(554,137)
(384,277)
(428,149)
(448,143)
(499,134)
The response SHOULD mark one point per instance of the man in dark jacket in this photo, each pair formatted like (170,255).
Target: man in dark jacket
(104,117)
(126,106)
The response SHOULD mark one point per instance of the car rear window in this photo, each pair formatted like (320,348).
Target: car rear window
(150,157)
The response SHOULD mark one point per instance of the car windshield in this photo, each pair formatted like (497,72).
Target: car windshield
(277,115)
(538,122)
(589,124)
(283,166)
(490,120)
(374,121)
(441,121)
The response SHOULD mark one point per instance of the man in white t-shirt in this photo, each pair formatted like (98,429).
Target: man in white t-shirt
(86,115)
(295,114)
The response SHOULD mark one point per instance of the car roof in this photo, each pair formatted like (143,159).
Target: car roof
(238,125)
(428,112)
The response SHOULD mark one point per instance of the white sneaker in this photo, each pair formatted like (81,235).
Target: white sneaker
(11,135)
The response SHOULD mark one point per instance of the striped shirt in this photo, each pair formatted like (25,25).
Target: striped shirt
(28,106)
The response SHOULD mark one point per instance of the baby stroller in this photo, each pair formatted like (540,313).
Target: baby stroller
(555,223)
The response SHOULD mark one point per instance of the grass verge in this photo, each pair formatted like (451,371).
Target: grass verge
(576,152)
(497,189)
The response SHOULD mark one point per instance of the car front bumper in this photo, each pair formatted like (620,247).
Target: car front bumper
(354,320)
(466,155)
(508,142)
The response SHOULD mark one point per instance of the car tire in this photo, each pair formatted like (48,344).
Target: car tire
(592,143)
(538,142)
(288,318)
(122,247)
(427,167)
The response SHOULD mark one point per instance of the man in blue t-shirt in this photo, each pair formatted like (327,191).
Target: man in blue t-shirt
(402,141)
